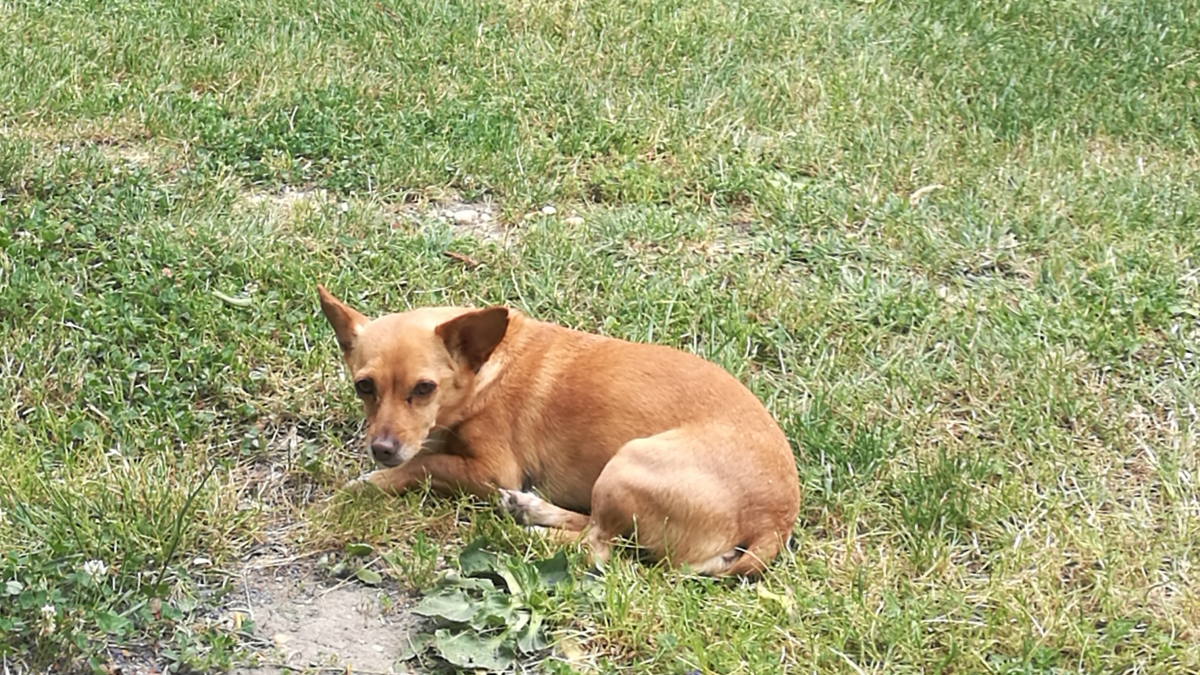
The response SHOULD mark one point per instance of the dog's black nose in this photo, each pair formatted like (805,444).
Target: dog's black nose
(384,449)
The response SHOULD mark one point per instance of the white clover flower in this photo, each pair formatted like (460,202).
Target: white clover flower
(46,624)
(96,569)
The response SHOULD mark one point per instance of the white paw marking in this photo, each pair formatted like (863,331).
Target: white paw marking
(363,481)
(521,505)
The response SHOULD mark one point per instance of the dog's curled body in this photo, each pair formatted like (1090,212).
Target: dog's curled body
(593,436)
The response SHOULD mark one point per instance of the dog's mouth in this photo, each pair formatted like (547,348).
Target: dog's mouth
(389,462)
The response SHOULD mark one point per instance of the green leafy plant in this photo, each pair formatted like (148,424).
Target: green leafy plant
(495,609)
(356,565)
(416,565)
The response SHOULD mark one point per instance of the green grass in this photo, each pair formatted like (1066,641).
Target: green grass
(991,385)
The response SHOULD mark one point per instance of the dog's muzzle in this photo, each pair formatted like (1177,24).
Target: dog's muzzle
(387,451)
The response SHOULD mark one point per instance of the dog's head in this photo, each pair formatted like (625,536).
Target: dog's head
(415,372)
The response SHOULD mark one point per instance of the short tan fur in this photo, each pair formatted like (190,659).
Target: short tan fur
(597,437)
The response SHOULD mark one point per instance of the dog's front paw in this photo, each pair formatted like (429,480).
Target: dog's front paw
(370,481)
(520,505)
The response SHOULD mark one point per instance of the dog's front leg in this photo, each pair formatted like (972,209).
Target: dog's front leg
(446,473)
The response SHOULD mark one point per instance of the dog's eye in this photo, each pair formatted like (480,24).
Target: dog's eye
(364,387)
(423,388)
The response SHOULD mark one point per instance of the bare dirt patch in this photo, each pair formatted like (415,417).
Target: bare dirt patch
(313,624)
(288,204)
(121,141)
(475,220)
(304,619)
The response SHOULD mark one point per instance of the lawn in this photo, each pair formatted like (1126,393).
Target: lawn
(953,246)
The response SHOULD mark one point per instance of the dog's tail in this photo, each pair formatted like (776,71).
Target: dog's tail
(744,559)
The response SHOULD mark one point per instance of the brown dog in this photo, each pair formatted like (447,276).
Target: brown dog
(652,442)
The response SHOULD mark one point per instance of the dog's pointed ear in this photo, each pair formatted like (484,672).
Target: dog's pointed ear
(345,320)
(472,337)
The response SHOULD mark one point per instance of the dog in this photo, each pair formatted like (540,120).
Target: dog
(592,437)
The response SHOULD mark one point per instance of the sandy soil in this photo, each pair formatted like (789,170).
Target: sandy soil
(313,624)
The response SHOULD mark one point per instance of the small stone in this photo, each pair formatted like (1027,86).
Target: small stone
(549,210)
(280,639)
(343,207)
(574,221)
(465,216)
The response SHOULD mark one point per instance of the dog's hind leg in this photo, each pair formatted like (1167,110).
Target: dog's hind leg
(529,509)
(685,499)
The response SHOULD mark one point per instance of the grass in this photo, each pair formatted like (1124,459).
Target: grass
(955,247)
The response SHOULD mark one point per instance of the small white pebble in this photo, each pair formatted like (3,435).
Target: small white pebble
(343,207)
(574,221)
(549,210)
(465,216)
